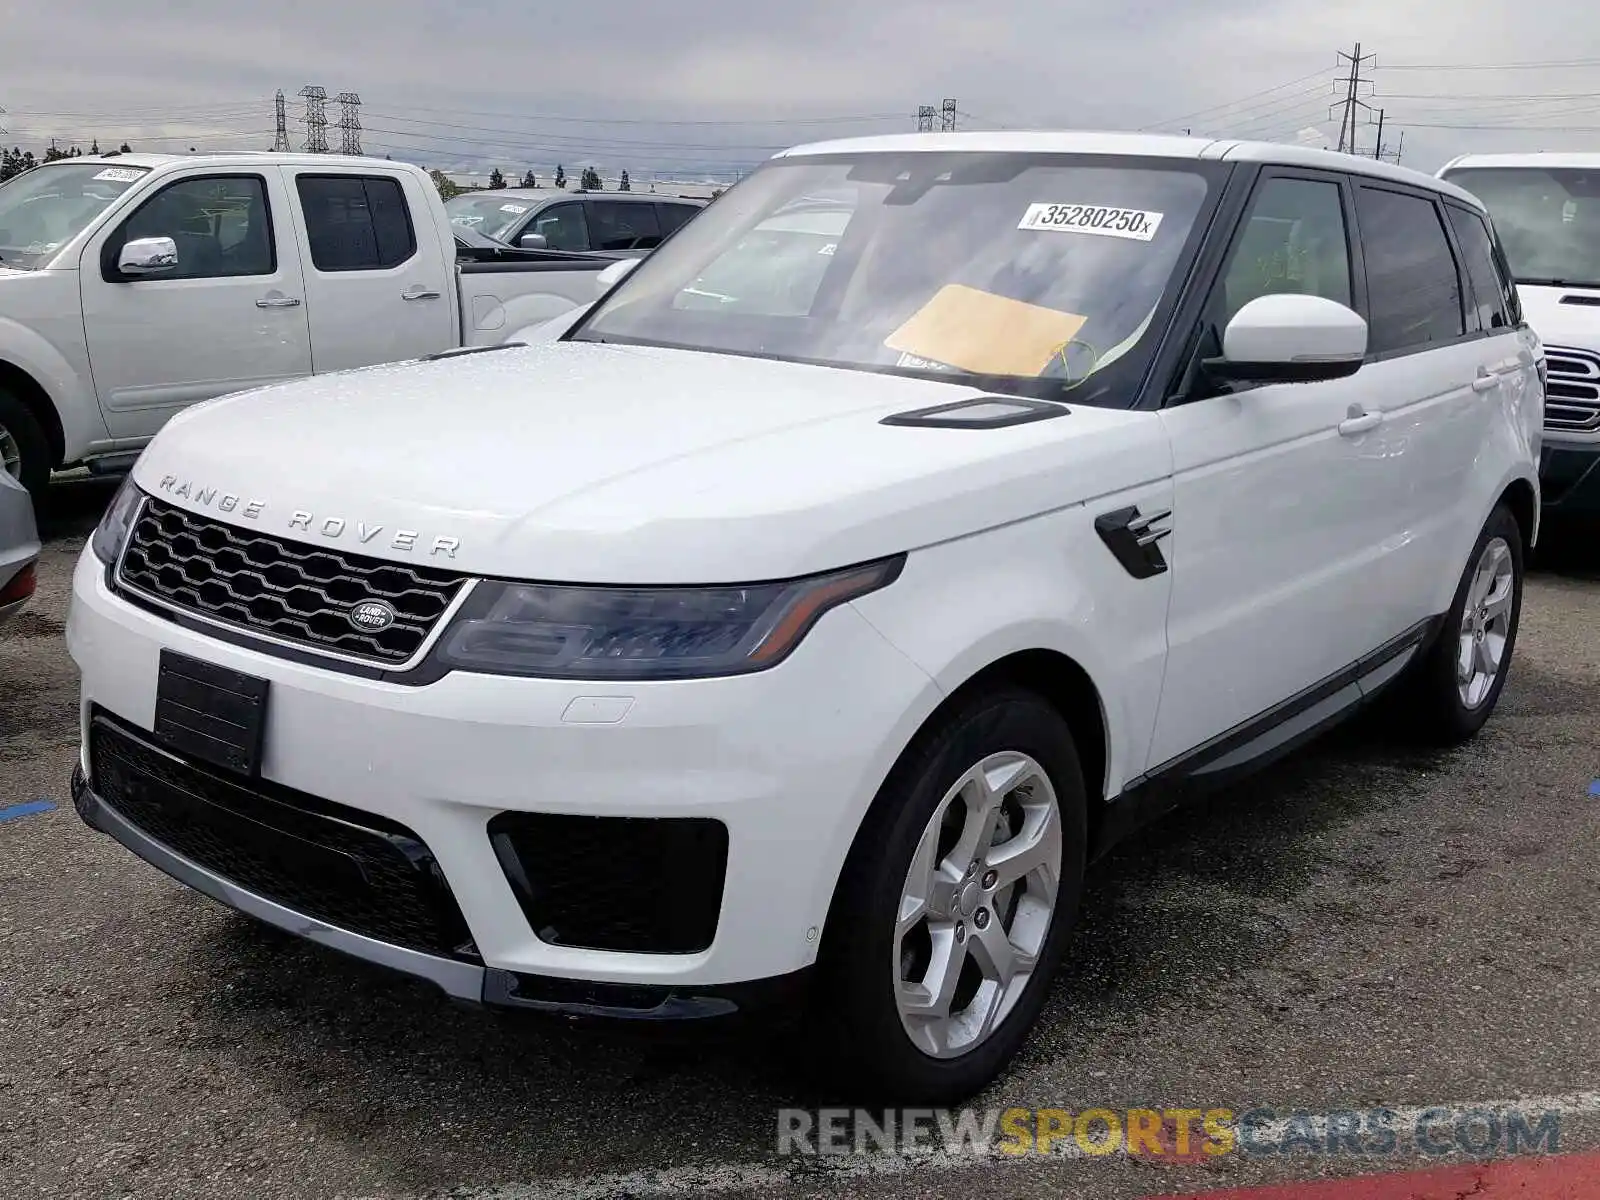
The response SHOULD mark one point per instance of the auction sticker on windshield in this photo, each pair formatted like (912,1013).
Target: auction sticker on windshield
(1133,223)
(514,208)
(119,175)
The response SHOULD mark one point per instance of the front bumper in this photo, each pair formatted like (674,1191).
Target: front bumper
(786,760)
(463,981)
(1569,479)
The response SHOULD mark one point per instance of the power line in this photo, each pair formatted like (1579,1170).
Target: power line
(924,118)
(947,120)
(1546,65)
(1323,71)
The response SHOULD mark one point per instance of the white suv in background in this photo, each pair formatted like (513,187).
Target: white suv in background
(1546,207)
(819,642)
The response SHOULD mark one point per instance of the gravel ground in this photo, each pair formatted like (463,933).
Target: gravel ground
(1363,925)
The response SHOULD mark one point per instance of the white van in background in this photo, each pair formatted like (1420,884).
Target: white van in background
(1546,209)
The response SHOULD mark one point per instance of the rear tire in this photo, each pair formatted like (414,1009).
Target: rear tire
(24,448)
(1453,690)
(934,970)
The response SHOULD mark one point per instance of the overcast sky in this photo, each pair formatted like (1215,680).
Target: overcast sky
(621,82)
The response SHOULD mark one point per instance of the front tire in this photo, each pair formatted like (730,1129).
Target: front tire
(955,906)
(24,448)
(1456,687)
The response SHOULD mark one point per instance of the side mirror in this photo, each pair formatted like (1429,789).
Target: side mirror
(1285,338)
(148,256)
(613,274)
(534,241)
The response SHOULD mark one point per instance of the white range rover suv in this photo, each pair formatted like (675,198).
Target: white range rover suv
(815,639)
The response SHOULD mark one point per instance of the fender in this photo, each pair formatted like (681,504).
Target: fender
(69,392)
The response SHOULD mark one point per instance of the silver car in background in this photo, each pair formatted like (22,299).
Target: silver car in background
(19,546)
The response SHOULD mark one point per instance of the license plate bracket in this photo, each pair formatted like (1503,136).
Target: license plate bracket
(211,713)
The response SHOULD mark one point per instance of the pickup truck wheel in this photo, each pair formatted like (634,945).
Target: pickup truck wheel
(24,449)
(955,908)
(1454,689)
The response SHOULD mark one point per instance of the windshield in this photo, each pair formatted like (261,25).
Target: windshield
(1023,273)
(1548,219)
(42,209)
(486,213)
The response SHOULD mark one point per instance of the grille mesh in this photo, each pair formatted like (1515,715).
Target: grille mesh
(349,868)
(1572,395)
(298,593)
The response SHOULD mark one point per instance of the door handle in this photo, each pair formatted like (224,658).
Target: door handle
(277,302)
(1487,380)
(1358,421)
(419,293)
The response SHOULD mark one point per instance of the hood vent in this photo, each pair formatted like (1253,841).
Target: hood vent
(1590,301)
(981,412)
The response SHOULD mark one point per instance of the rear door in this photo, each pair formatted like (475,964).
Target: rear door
(378,288)
(230,316)
(1424,358)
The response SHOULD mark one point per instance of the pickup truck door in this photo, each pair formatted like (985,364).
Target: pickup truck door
(380,287)
(230,316)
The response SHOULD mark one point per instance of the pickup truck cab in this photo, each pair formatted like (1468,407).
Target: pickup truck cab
(806,636)
(1546,207)
(134,285)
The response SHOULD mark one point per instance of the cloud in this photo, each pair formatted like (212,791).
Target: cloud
(714,86)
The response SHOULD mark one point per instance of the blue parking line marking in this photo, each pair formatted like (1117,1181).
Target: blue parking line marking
(25,810)
(1594,788)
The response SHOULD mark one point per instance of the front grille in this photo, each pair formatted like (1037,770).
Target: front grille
(648,885)
(351,869)
(1572,395)
(297,593)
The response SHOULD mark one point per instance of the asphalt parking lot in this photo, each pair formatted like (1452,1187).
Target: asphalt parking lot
(1364,926)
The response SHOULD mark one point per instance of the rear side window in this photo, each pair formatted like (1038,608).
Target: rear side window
(1491,298)
(617,225)
(356,222)
(673,215)
(1413,291)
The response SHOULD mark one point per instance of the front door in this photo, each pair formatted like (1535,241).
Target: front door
(1275,532)
(230,316)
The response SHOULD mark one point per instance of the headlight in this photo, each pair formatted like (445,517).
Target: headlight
(112,531)
(615,633)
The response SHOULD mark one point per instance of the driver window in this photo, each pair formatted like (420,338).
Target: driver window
(562,226)
(1293,242)
(219,223)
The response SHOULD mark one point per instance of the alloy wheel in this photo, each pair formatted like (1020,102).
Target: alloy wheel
(1485,623)
(977,904)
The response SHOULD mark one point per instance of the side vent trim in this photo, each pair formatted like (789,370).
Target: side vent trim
(1134,538)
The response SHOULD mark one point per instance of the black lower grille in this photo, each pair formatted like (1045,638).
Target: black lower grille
(351,869)
(302,594)
(645,885)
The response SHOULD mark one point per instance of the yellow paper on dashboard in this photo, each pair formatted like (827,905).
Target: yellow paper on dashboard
(986,334)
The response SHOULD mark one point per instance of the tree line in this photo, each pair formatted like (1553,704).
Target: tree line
(17,160)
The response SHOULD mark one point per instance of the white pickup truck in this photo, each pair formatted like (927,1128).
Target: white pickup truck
(134,285)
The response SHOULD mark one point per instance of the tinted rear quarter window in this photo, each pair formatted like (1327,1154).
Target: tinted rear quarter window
(674,215)
(1413,291)
(623,225)
(1490,297)
(356,222)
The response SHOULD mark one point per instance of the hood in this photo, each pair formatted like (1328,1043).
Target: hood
(615,464)
(1558,324)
